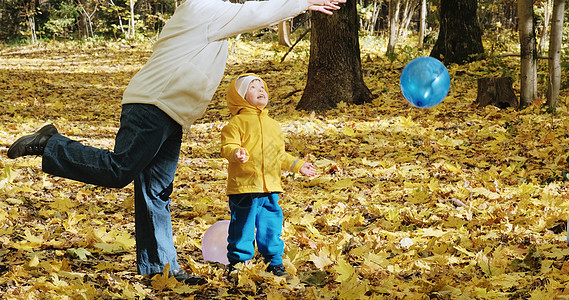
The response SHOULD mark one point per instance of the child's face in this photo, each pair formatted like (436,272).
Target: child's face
(256,94)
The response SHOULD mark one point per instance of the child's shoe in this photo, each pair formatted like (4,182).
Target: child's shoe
(231,273)
(278,270)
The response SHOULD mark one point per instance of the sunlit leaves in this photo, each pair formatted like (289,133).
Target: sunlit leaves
(454,201)
(164,281)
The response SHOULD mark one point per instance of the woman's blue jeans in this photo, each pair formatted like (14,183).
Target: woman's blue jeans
(147,148)
(250,212)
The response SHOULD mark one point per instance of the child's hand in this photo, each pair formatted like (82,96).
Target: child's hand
(241,156)
(308,170)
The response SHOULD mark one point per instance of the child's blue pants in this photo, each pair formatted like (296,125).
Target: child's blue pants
(260,211)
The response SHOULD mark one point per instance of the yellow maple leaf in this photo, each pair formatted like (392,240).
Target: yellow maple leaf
(463,250)
(62,204)
(344,270)
(352,289)
(380,258)
(108,247)
(454,168)
(125,240)
(321,261)
(106,266)
(95,236)
(81,253)
(37,240)
(184,289)
(485,192)
(418,196)
(34,262)
(371,163)
(164,281)
(450,142)
(507,281)
(539,294)
(323,163)
(343,183)
(432,232)
(348,131)
(350,222)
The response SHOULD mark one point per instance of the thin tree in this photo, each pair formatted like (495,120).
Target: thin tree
(555,41)
(334,67)
(118,10)
(131,22)
(422,24)
(460,36)
(544,31)
(528,68)
(86,22)
(284,31)
(400,14)
(30,12)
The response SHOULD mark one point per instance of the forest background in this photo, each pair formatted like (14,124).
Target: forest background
(457,201)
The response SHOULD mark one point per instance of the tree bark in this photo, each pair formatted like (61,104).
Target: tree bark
(393,15)
(460,36)
(284,32)
(334,67)
(422,23)
(30,11)
(528,68)
(400,14)
(497,92)
(545,29)
(131,22)
(555,41)
(85,21)
(410,6)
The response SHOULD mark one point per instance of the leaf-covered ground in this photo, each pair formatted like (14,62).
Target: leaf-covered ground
(453,202)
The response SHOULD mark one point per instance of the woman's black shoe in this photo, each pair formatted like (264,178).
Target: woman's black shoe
(33,144)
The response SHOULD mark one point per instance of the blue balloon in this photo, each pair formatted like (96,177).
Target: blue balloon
(425,82)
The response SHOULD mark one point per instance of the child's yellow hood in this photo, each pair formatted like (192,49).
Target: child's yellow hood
(235,102)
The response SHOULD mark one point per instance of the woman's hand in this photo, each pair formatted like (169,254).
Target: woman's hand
(324,6)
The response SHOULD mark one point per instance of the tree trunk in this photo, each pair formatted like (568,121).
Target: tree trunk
(31,15)
(85,27)
(393,13)
(460,36)
(544,31)
(528,77)
(131,22)
(334,67)
(497,92)
(373,23)
(284,32)
(32,25)
(410,6)
(555,41)
(400,14)
(422,23)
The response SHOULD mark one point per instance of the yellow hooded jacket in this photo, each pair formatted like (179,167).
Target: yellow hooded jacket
(253,130)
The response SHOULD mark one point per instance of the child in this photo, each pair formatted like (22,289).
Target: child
(253,144)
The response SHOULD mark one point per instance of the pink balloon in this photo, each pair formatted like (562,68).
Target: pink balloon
(214,242)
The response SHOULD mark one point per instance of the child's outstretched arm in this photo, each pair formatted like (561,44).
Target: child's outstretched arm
(231,144)
(308,169)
